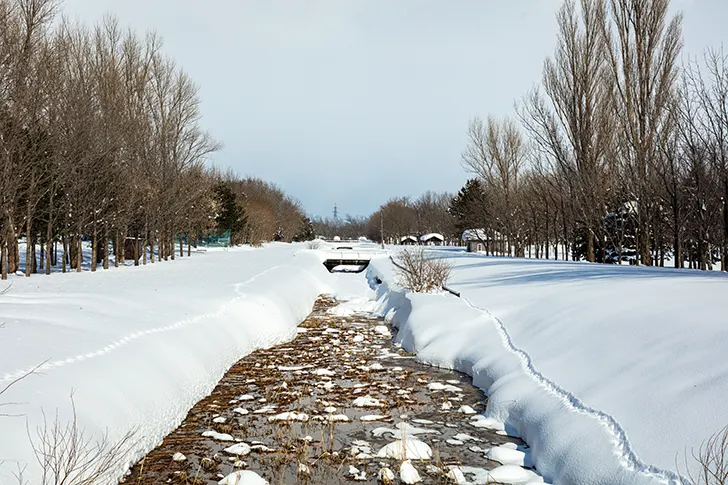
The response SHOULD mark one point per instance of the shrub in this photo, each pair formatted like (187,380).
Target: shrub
(419,273)
(712,461)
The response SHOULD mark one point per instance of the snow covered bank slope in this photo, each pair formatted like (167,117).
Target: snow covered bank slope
(609,373)
(139,346)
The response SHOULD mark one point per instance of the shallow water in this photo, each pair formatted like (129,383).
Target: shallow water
(332,362)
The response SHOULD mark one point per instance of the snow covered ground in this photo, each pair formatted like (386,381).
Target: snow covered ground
(138,347)
(611,374)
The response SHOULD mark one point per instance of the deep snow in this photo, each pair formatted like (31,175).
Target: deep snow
(138,347)
(611,374)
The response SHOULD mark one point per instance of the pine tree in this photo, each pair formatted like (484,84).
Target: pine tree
(231,216)
(470,207)
(307,232)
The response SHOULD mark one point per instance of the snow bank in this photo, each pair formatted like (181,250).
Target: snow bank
(609,373)
(139,346)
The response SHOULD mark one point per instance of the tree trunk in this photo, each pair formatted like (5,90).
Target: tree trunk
(65,252)
(94,245)
(144,244)
(118,247)
(15,253)
(4,259)
(152,243)
(136,250)
(29,248)
(181,246)
(189,246)
(33,263)
(106,246)
(43,254)
(590,246)
(79,263)
(122,247)
(645,244)
(724,249)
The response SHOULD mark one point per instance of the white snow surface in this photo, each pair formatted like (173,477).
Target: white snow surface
(138,347)
(609,373)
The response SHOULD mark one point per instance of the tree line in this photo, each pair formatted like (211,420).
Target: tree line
(395,219)
(101,141)
(618,154)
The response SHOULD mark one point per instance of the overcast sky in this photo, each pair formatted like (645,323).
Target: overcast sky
(357,101)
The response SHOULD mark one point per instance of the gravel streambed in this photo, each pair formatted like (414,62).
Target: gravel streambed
(339,404)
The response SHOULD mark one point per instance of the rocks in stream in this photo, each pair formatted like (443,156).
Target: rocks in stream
(312,411)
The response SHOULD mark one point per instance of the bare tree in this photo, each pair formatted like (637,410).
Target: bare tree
(497,154)
(575,130)
(644,48)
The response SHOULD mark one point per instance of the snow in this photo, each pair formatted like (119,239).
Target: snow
(243,477)
(289,416)
(512,474)
(386,476)
(179,457)
(408,473)
(367,402)
(139,346)
(608,372)
(433,235)
(508,456)
(239,449)
(410,448)
(218,436)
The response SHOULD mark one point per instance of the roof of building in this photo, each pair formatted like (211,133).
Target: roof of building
(433,235)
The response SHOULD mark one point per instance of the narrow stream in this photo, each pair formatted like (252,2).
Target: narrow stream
(338,404)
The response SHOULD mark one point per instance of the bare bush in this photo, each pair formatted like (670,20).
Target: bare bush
(712,461)
(68,457)
(315,244)
(419,273)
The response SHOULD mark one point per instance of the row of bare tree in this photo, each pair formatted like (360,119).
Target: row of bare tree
(620,153)
(269,213)
(397,218)
(100,140)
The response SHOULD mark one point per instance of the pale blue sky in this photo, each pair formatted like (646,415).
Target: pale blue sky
(356,101)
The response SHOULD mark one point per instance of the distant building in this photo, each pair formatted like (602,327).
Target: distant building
(433,239)
(476,240)
(408,241)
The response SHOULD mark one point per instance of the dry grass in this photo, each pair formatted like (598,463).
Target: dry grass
(419,273)
(68,457)
(712,461)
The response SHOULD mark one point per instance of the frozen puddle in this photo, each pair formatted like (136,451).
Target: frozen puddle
(339,404)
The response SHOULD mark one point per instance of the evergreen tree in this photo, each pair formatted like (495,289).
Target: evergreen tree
(230,216)
(470,207)
(307,232)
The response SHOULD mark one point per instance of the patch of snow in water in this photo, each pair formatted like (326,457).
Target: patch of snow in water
(239,449)
(367,402)
(179,457)
(411,449)
(408,474)
(217,436)
(289,416)
(243,477)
